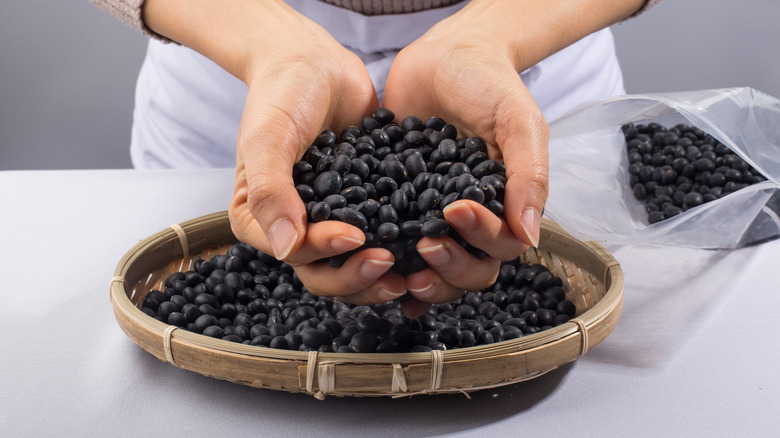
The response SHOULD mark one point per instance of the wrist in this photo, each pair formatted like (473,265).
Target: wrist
(528,31)
(232,33)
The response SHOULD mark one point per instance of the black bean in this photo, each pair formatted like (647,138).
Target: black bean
(234,264)
(354,194)
(545,316)
(512,332)
(428,199)
(399,201)
(450,186)
(414,138)
(450,336)
(396,170)
(655,216)
(363,342)
(474,144)
(435,228)
(693,199)
(412,123)
(313,338)
(473,193)
(386,185)
(436,123)
(388,231)
(368,208)
(153,300)
(327,183)
(351,216)
(457,169)
(567,308)
(320,212)
(415,165)
(436,181)
(214,331)
(166,308)
(341,164)
(484,168)
(387,213)
(448,149)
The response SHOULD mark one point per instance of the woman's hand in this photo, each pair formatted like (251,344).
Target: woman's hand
(300,81)
(466,70)
(458,72)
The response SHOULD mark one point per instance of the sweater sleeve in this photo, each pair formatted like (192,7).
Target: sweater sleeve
(648,4)
(130,13)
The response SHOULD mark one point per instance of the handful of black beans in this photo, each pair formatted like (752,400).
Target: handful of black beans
(673,170)
(249,297)
(393,180)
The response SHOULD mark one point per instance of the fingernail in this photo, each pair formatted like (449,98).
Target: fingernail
(371,269)
(460,215)
(282,235)
(424,293)
(386,295)
(437,255)
(341,244)
(531,222)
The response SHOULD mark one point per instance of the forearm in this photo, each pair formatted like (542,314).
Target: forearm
(232,33)
(529,31)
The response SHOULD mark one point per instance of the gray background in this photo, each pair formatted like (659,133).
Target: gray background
(67,70)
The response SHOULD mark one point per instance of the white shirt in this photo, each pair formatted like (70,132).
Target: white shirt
(187,108)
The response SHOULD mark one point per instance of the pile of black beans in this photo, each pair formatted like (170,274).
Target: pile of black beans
(249,297)
(393,180)
(675,169)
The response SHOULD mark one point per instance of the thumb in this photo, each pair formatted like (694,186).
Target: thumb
(270,141)
(522,134)
(276,207)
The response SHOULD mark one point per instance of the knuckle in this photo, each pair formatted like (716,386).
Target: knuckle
(512,252)
(261,196)
(538,180)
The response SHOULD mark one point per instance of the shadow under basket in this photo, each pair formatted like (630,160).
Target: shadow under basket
(592,279)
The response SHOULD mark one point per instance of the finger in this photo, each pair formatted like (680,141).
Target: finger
(271,137)
(522,134)
(326,239)
(413,307)
(429,287)
(388,287)
(322,240)
(364,272)
(483,229)
(455,266)
(242,222)
(280,120)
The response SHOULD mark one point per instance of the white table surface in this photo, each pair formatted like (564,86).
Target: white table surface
(696,352)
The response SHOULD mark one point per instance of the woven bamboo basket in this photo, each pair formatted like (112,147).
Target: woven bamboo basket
(592,280)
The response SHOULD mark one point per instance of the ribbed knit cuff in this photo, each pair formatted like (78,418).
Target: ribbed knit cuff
(130,13)
(387,7)
(648,4)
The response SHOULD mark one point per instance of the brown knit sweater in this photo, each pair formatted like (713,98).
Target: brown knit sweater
(129,11)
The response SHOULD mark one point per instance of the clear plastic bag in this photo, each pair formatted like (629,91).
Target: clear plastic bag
(590,194)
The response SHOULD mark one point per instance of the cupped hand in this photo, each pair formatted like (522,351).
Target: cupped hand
(465,72)
(304,83)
